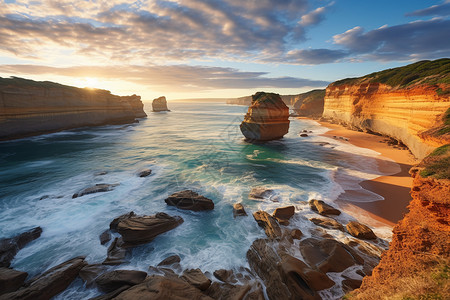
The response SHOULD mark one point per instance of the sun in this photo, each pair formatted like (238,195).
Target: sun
(90,82)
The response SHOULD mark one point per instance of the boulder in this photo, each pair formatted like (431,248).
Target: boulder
(301,279)
(303,135)
(238,210)
(323,208)
(195,277)
(328,255)
(113,294)
(11,280)
(10,246)
(105,237)
(145,173)
(269,224)
(113,280)
(267,118)
(170,260)
(226,291)
(225,275)
(137,230)
(284,213)
(90,272)
(160,104)
(190,200)
(360,231)
(116,253)
(98,188)
(327,223)
(350,284)
(116,221)
(160,288)
(296,234)
(50,283)
(264,262)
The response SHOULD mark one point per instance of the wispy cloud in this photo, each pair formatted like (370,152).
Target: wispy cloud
(435,10)
(183,77)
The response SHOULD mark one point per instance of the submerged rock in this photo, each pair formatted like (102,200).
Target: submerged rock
(137,230)
(90,272)
(360,231)
(262,193)
(116,253)
(160,104)
(11,280)
(145,173)
(267,118)
(10,246)
(98,188)
(190,200)
(50,283)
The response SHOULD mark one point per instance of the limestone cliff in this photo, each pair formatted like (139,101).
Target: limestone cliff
(416,266)
(29,108)
(403,103)
(309,104)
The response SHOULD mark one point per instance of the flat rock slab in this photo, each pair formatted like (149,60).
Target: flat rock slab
(11,280)
(137,230)
(50,283)
(284,213)
(98,188)
(327,223)
(328,255)
(114,280)
(173,259)
(160,288)
(360,231)
(190,200)
(10,246)
(269,223)
(196,278)
(90,272)
(323,208)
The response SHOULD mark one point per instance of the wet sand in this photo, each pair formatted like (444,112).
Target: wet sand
(393,188)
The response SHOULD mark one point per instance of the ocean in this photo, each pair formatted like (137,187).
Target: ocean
(197,146)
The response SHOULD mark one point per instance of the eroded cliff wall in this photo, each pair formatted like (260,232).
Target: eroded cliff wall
(29,108)
(402,113)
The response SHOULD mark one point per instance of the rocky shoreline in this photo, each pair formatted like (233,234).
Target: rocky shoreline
(290,263)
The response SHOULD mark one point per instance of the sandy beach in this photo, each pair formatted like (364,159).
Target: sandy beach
(393,188)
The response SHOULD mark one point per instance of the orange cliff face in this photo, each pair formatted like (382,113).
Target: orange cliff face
(403,113)
(27,110)
(419,253)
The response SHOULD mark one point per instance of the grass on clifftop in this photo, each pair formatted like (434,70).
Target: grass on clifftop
(437,164)
(22,82)
(429,72)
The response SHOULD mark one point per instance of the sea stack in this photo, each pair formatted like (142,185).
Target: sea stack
(160,104)
(267,118)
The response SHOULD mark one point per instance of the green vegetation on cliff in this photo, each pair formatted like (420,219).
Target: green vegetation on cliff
(426,71)
(22,82)
(437,163)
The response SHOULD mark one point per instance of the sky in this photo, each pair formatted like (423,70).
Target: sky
(216,48)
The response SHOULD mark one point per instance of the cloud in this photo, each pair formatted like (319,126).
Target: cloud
(316,16)
(314,56)
(166,30)
(414,40)
(435,10)
(180,77)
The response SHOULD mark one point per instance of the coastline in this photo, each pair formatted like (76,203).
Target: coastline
(395,188)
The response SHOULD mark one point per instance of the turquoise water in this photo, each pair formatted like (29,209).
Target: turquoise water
(195,146)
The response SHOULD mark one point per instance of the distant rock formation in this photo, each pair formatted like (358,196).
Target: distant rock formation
(30,107)
(160,104)
(267,118)
(309,104)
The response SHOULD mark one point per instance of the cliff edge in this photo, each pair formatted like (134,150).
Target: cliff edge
(409,104)
(30,107)
(417,264)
